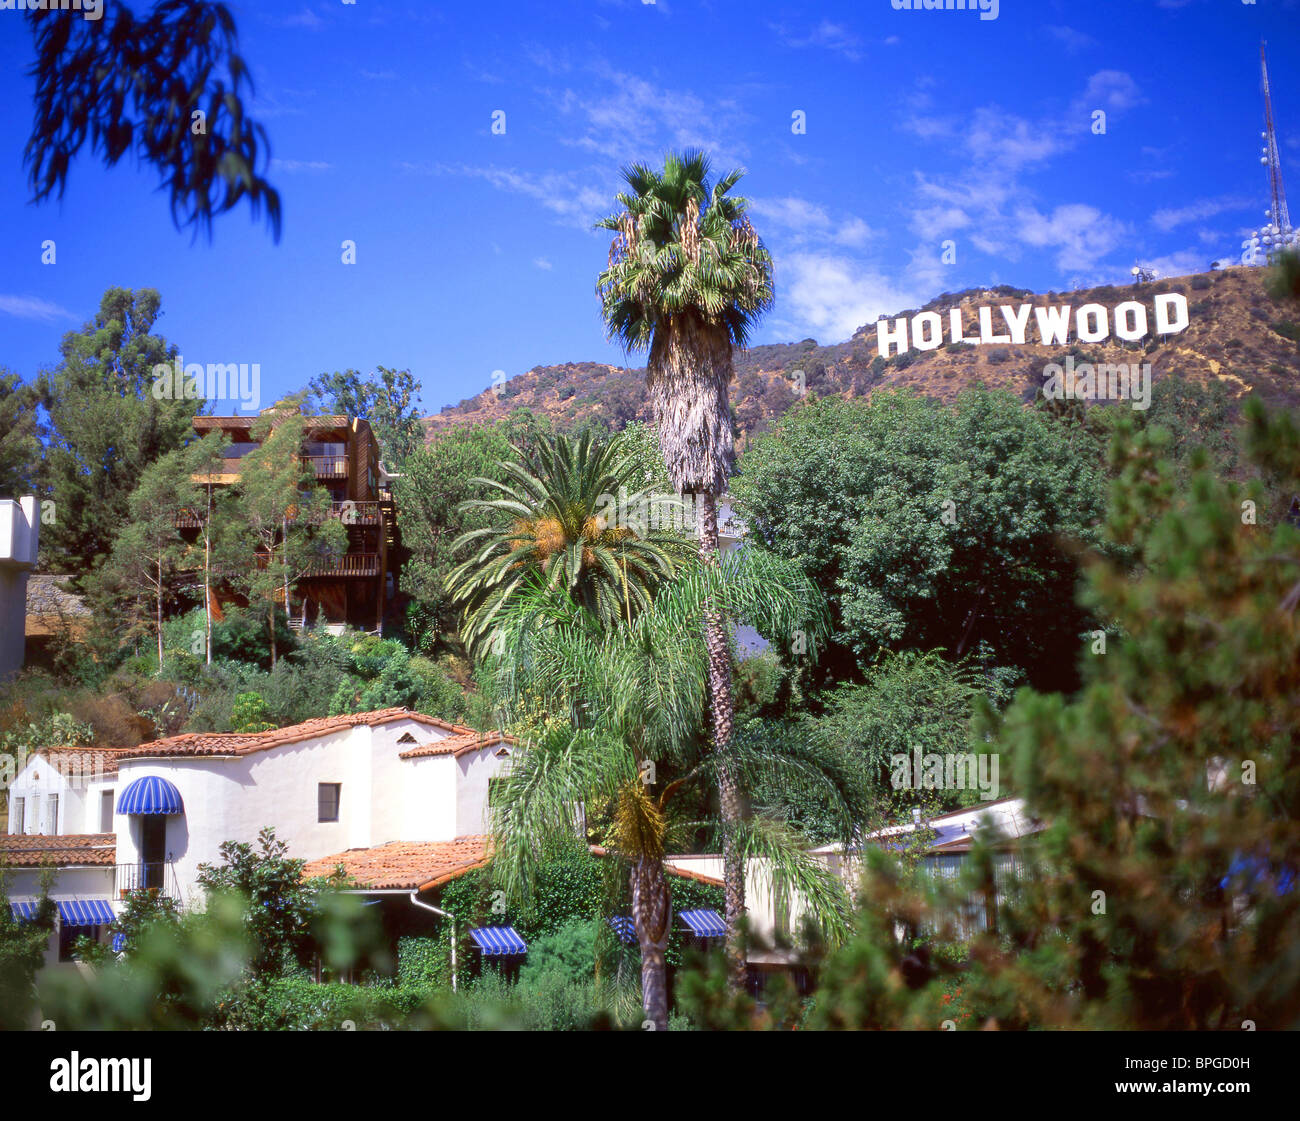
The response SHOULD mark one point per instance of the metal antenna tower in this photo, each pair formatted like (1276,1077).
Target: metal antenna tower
(1278,234)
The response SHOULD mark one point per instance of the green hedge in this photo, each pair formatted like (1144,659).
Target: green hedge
(550,1003)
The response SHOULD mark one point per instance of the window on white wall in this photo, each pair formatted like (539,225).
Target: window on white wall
(52,814)
(106,812)
(16,812)
(327,801)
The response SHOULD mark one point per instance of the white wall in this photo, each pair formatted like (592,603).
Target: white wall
(428,799)
(760,907)
(474,770)
(19,534)
(231,798)
(234,798)
(69,883)
(78,785)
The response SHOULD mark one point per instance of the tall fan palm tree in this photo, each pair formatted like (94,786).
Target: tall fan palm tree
(687,278)
(560,513)
(634,698)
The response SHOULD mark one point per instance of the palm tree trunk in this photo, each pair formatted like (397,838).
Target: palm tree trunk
(722,709)
(652,913)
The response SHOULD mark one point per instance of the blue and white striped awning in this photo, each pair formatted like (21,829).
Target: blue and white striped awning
(624,927)
(498,940)
(150,795)
(119,943)
(705,924)
(24,910)
(85,912)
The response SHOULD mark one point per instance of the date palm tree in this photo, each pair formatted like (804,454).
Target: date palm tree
(556,512)
(687,278)
(632,701)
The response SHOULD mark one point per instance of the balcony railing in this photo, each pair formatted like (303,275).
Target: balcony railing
(328,466)
(356,513)
(159,876)
(349,564)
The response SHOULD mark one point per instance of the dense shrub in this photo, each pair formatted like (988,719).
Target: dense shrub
(568,953)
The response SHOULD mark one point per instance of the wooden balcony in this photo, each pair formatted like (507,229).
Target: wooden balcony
(357,512)
(349,564)
(327,466)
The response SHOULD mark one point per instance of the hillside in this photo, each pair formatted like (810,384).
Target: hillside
(1237,334)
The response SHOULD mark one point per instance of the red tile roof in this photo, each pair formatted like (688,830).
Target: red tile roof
(424,865)
(80,760)
(406,865)
(458,745)
(31,850)
(245,743)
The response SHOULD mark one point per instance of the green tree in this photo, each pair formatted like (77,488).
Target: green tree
(106,424)
(631,699)
(933,528)
(910,701)
(20,445)
(687,279)
(250,714)
(280,903)
(150,553)
(390,401)
(436,481)
(286,513)
(563,514)
(1162,892)
(22,953)
(166,86)
(217,514)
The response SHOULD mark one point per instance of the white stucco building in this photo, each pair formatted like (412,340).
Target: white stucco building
(946,841)
(19,536)
(337,790)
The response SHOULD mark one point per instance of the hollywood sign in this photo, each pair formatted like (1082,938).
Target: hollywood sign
(1091,323)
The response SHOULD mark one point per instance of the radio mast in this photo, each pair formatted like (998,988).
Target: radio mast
(1278,234)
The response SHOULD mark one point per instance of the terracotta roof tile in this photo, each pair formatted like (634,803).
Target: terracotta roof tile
(458,744)
(93,761)
(31,850)
(245,743)
(406,865)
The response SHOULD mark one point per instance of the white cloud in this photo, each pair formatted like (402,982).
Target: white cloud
(1071,39)
(1010,141)
(854,232)
(1180,263)
(289,166)
(794,213)
(933,222)
(830,296)
(542,263)
(1082,234)
(1170,217)
(304,18)
(826,35)
(569,195)
(1112,90)
(33,307)
(630,116)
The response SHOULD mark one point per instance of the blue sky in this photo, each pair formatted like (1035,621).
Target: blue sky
(475,251)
